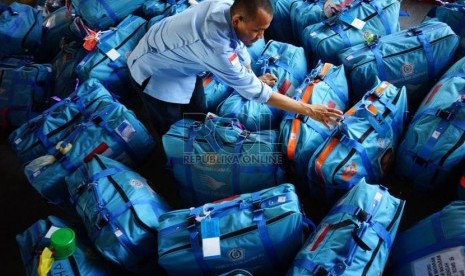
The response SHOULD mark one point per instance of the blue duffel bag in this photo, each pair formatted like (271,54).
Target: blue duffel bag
(362,146)
(433,145)
(280,27)
(287,62)
(216,91)
(260,232)
(352,26)
(113,131)
(84,261)
(20,29)
(154,8)
(413,58)
(26,88)
(219,158)
(355,237)
(107,62)
(100,15)
(433,246)
(453,14)
(40,135)
(304,13)
(120,212)
(300,136)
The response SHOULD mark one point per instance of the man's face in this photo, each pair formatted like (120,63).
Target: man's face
(249,31)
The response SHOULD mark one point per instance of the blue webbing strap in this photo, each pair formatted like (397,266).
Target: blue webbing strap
(196,247)
(237,165)
(429,54)
(109,10)
(309,265)
(379,62)
(340,31)
(189,149)
(263,231)
(335,89)
(379,9)
(105,173)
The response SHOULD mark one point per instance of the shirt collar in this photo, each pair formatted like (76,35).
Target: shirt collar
(235,41)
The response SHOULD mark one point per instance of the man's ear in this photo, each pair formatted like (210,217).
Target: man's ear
(236,19)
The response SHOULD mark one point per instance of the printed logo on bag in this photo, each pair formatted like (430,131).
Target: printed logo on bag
(349,171)
(136,183)
(236,254)
(407,69)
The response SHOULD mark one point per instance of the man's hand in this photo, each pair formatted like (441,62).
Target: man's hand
(326,115)
(269,79)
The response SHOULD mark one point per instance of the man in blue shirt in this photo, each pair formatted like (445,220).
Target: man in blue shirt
(210,36)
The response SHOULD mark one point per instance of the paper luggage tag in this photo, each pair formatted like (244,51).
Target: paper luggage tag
(352,21)
(210,231)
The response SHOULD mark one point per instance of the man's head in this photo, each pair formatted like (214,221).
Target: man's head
(250,18)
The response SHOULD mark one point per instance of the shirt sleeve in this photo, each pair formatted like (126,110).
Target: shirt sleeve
(228,67)
(244,55)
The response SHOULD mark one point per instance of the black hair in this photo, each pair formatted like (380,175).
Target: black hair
(249,8)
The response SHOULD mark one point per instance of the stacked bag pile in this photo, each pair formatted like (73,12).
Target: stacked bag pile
(260,191)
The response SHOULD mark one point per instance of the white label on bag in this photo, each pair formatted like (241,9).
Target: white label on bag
(450,261)
(51,231)
(436,134)
(113,54)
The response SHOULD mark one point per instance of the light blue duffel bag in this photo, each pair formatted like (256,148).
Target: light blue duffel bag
(120,212)
(352,26)
(433,246)
(453,14)
(20,29)
(433,145)
(107,62)
(26,88)
(362,146)
(40,135)
(84,261)
(355,237)
(285,61)
(280,27)
(413,58)
(300,136)
(100,15)
(113,131)
(216,91)
(304,13)
(260,232)
(219,158)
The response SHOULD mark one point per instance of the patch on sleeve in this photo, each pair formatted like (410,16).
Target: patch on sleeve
(234,59)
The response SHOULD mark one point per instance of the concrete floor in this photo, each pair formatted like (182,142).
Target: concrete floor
(21,205)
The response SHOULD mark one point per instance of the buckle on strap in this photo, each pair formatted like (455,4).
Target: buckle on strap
(301,117)
(420,161)
(102,220)
(444,114)
(414,31)
(191,222)
(362,215)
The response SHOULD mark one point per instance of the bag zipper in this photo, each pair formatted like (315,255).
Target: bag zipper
(233,234)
